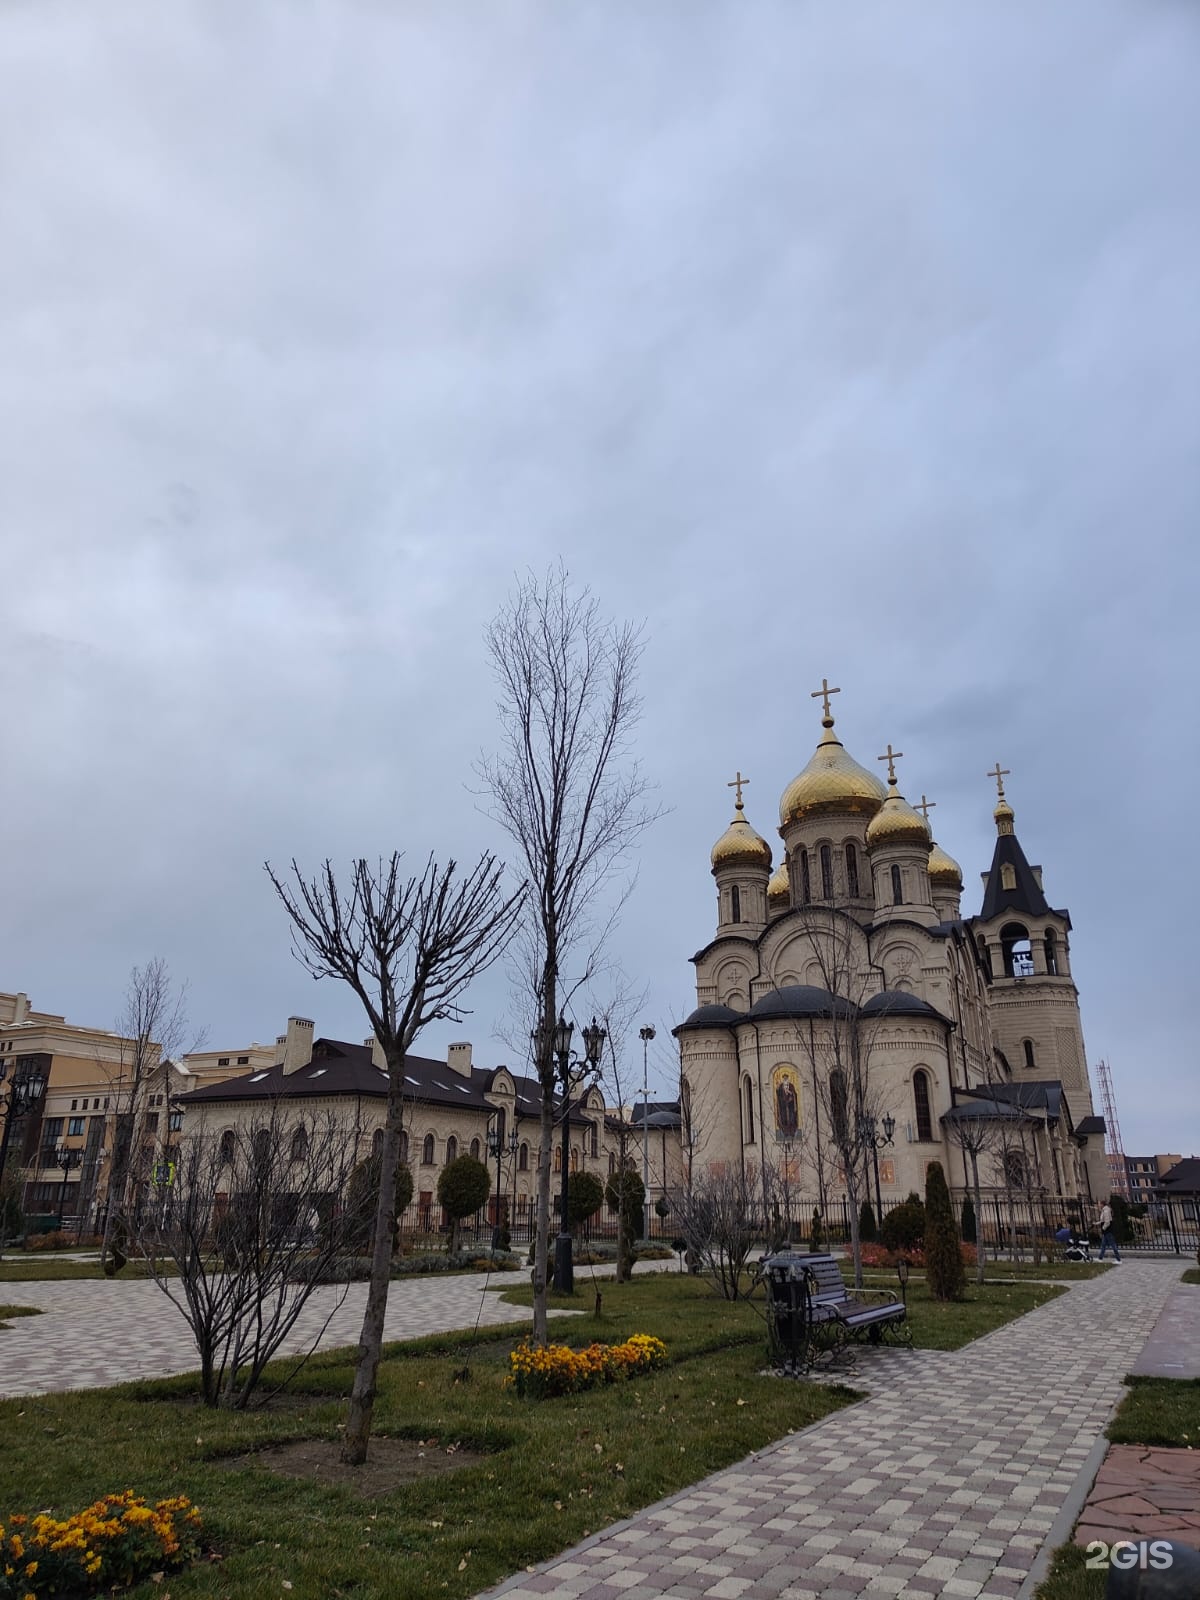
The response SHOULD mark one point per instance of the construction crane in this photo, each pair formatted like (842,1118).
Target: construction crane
(1118,1170)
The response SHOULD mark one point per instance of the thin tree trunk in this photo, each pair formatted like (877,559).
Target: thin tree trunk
(542,1232)
(370,1343)
(980,1248)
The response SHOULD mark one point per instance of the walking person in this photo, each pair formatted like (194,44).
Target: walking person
(1107,1236)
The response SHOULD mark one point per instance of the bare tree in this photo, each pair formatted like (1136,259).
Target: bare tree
(567,791)
(408,948)
(152,1030)
(241,1239)
(720,1226)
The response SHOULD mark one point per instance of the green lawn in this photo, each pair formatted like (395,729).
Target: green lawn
(552,1472)
(1192,1275)
(998,1271)
(36,1268)
(7,1312)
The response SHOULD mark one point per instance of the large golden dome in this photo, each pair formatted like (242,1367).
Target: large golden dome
(897,823)
(779,887)
(740,846)
(944,870)
(831,782)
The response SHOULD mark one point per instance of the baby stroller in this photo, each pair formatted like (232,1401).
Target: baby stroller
(1075,1247)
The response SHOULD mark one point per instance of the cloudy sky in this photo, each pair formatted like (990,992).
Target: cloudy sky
(856,340)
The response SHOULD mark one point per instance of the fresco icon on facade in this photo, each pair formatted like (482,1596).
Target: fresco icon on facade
(786,1087)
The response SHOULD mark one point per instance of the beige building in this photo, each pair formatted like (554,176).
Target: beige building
(857,941)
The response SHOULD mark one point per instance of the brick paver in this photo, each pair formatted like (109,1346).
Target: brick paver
(1142,1493)
(946,1482)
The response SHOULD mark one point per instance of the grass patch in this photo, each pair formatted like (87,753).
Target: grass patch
(7,1312)
(44,1269)
(1069,1578)
(1158,1411)
(1192,1275)
(999,1271)
(550,1473)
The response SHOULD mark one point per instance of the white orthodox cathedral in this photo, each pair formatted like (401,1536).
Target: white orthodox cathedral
(959,1016)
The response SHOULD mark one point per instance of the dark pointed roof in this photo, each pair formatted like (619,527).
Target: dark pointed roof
(1026,899)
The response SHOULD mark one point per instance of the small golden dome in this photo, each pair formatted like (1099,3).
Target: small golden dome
(1004,816)
(944,871)
(740,846)
(897,823)
(779,887)
(831,782)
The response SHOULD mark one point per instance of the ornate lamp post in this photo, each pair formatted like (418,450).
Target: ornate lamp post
(497,1147)
(68,1159)
(875,1142)
(24,1092)
(645,1035)
(593,1043)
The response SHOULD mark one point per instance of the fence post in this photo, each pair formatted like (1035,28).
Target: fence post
(1171,1220)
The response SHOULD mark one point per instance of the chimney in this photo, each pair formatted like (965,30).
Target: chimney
(21,1008)
(378,1059)
(458,1059)
(297,1044)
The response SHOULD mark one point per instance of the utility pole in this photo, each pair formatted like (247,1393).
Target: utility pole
(645,1035)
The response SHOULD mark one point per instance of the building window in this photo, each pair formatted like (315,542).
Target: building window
(574,1158)
(921,1106)
(558,1158)
(735,904)
(851,870)
(175,1121)
(1030,1063)
(222,1061)
(427,1151)
(74,1103)
(805,878)
(1050,944)
(228,1146)
(152,1122)
(451,1149)
(52,1130)
(300,1143)
(75,1128)
(243,1061)
(475,1148)
(1008,875)
(897,887)
(826,873)
(595,1140)
(404,1145)
(1015,1175)
(523,1158)
(1018,952)
(749,1098)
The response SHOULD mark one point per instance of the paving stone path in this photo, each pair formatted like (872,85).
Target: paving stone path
(947,1482)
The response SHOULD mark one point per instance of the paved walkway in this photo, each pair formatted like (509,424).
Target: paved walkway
(1173,1348)
(948,1482)
(96,1332)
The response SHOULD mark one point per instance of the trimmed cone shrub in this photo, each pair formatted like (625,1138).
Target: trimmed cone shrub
(585,1196)
(867,1231)
(904,1227)
(968,1222)
(943,1255)
(625,1192)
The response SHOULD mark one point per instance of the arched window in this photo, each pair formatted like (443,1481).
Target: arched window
(427,1150)
(1014,1169)
(897,887)
(826,873)
(404,1144)
(228,1146)
(735,904)
(523,1158)
(300,1143)
(451,1149)
(1018,952)
(500,1125)
(377,1142)
(475,1147)
(749,1099)
(1030,1063)
(574,1158)
(838,1106)
(805,878)
(1008,875)
(921,1105)
(851,870)
(1050,945)
(612,1167)
(595,1140)
(558,1158)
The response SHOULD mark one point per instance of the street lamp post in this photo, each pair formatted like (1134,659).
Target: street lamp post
(24,1092)
(593,1043)
(645,1035)
(876,1142)
(68,1159)
(496,1147)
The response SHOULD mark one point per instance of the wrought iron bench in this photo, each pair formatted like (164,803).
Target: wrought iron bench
(812,1310)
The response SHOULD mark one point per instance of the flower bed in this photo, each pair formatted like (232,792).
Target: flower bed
(876,1255)
(118,1540)
(542,1371)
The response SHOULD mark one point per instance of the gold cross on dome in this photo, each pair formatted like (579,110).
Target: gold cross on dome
(891,757)
(822,694)
(738,783)
(1000,773)
(925,807)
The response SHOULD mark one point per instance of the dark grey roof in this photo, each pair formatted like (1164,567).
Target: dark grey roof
(1033,1094)
(799,1000)
(656,1114)
(711,1016)
(338,1068)
(1026,899)
(899,1003)
(1183,1178)
(1090,1125)
(968,1110)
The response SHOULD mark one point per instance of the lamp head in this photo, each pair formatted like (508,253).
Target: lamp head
(593,1043)
(562,1037)
(889,1128)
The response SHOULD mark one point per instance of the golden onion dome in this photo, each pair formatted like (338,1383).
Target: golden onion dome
(831,782)
(740,846)
(897,823)
(944,871)
(779,887)
(1004,816)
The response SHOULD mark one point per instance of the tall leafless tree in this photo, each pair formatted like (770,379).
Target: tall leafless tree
(408,948)
(566,788)
(618,1013)
(153,1032)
